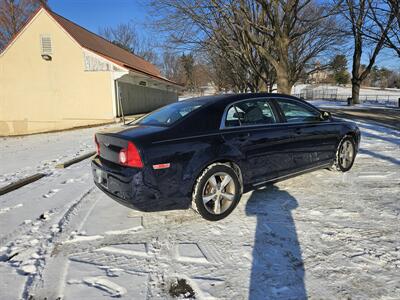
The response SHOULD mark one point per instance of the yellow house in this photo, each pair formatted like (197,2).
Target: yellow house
(56,75)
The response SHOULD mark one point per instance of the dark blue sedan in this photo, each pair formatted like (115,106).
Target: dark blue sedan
(207,151)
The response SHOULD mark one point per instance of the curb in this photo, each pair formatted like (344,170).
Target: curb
(75,160)
(20,183)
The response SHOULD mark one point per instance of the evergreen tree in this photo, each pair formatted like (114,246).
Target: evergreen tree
(339,68)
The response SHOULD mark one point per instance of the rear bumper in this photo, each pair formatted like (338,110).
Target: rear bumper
(129,187)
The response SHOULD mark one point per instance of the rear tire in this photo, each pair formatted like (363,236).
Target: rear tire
(345,155)
(217,192)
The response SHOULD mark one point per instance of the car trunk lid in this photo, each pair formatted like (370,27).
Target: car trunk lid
(112,141)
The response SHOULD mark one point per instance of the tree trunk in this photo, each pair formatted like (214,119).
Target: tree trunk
(262,86)
(357,53)
(355,91)
(284,86)
(355,73)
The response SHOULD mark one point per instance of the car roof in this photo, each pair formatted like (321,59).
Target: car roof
(226,99)
(207,99)
(234,97)
(214,106)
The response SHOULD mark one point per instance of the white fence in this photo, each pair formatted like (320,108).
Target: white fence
(392,100)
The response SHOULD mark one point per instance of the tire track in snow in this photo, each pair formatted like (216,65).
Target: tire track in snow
(59,230)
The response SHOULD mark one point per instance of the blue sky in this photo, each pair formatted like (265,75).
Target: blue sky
(388,59)
(94,14)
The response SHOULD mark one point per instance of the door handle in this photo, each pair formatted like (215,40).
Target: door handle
(298,131)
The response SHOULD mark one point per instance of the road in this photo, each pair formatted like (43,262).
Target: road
(387,116)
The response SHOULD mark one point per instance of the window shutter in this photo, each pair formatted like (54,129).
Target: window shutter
(46,44)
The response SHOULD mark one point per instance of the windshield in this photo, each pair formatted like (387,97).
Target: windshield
(168,115)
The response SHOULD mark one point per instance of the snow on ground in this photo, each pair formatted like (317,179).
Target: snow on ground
(343,104)
(369,96)
(323,235)
(346,90)
(25,155)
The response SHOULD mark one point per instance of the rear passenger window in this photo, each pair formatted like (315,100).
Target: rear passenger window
(250,112)
(297,112)
(232,117)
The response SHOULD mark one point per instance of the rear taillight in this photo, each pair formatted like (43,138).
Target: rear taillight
(130,156)
(97,145)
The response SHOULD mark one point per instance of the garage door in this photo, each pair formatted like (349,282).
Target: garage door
(136,99)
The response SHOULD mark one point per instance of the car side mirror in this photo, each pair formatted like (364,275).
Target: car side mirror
(238,115)
(326,115)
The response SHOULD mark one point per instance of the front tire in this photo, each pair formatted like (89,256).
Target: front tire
(217,192)
(345,154)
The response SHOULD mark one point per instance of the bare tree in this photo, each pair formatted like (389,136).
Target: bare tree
(240,61)
(297,31)
(248,67)
(224,77)
(269,37)
(198,26)
(381,12)
(126,36)
(393,38)
(147,50)
(358,15)
(228,73)
(123,35)
(171,66)
(13,14)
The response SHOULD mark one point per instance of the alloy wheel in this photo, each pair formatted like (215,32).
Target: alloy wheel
(219,193)
(346,154)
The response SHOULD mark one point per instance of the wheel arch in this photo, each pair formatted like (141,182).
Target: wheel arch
(350,132)
(356,136)
(349,129)
(225,161)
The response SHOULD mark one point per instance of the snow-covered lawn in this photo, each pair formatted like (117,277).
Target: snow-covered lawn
(369,96)
(323,235)
(346,90)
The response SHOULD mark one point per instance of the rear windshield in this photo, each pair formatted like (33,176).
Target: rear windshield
(168,115)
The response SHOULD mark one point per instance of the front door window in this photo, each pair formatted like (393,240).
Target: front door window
(297,112)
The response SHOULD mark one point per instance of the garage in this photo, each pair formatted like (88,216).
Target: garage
(138,99)
(80,79)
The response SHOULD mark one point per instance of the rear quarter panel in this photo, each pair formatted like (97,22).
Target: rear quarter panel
(187,156)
